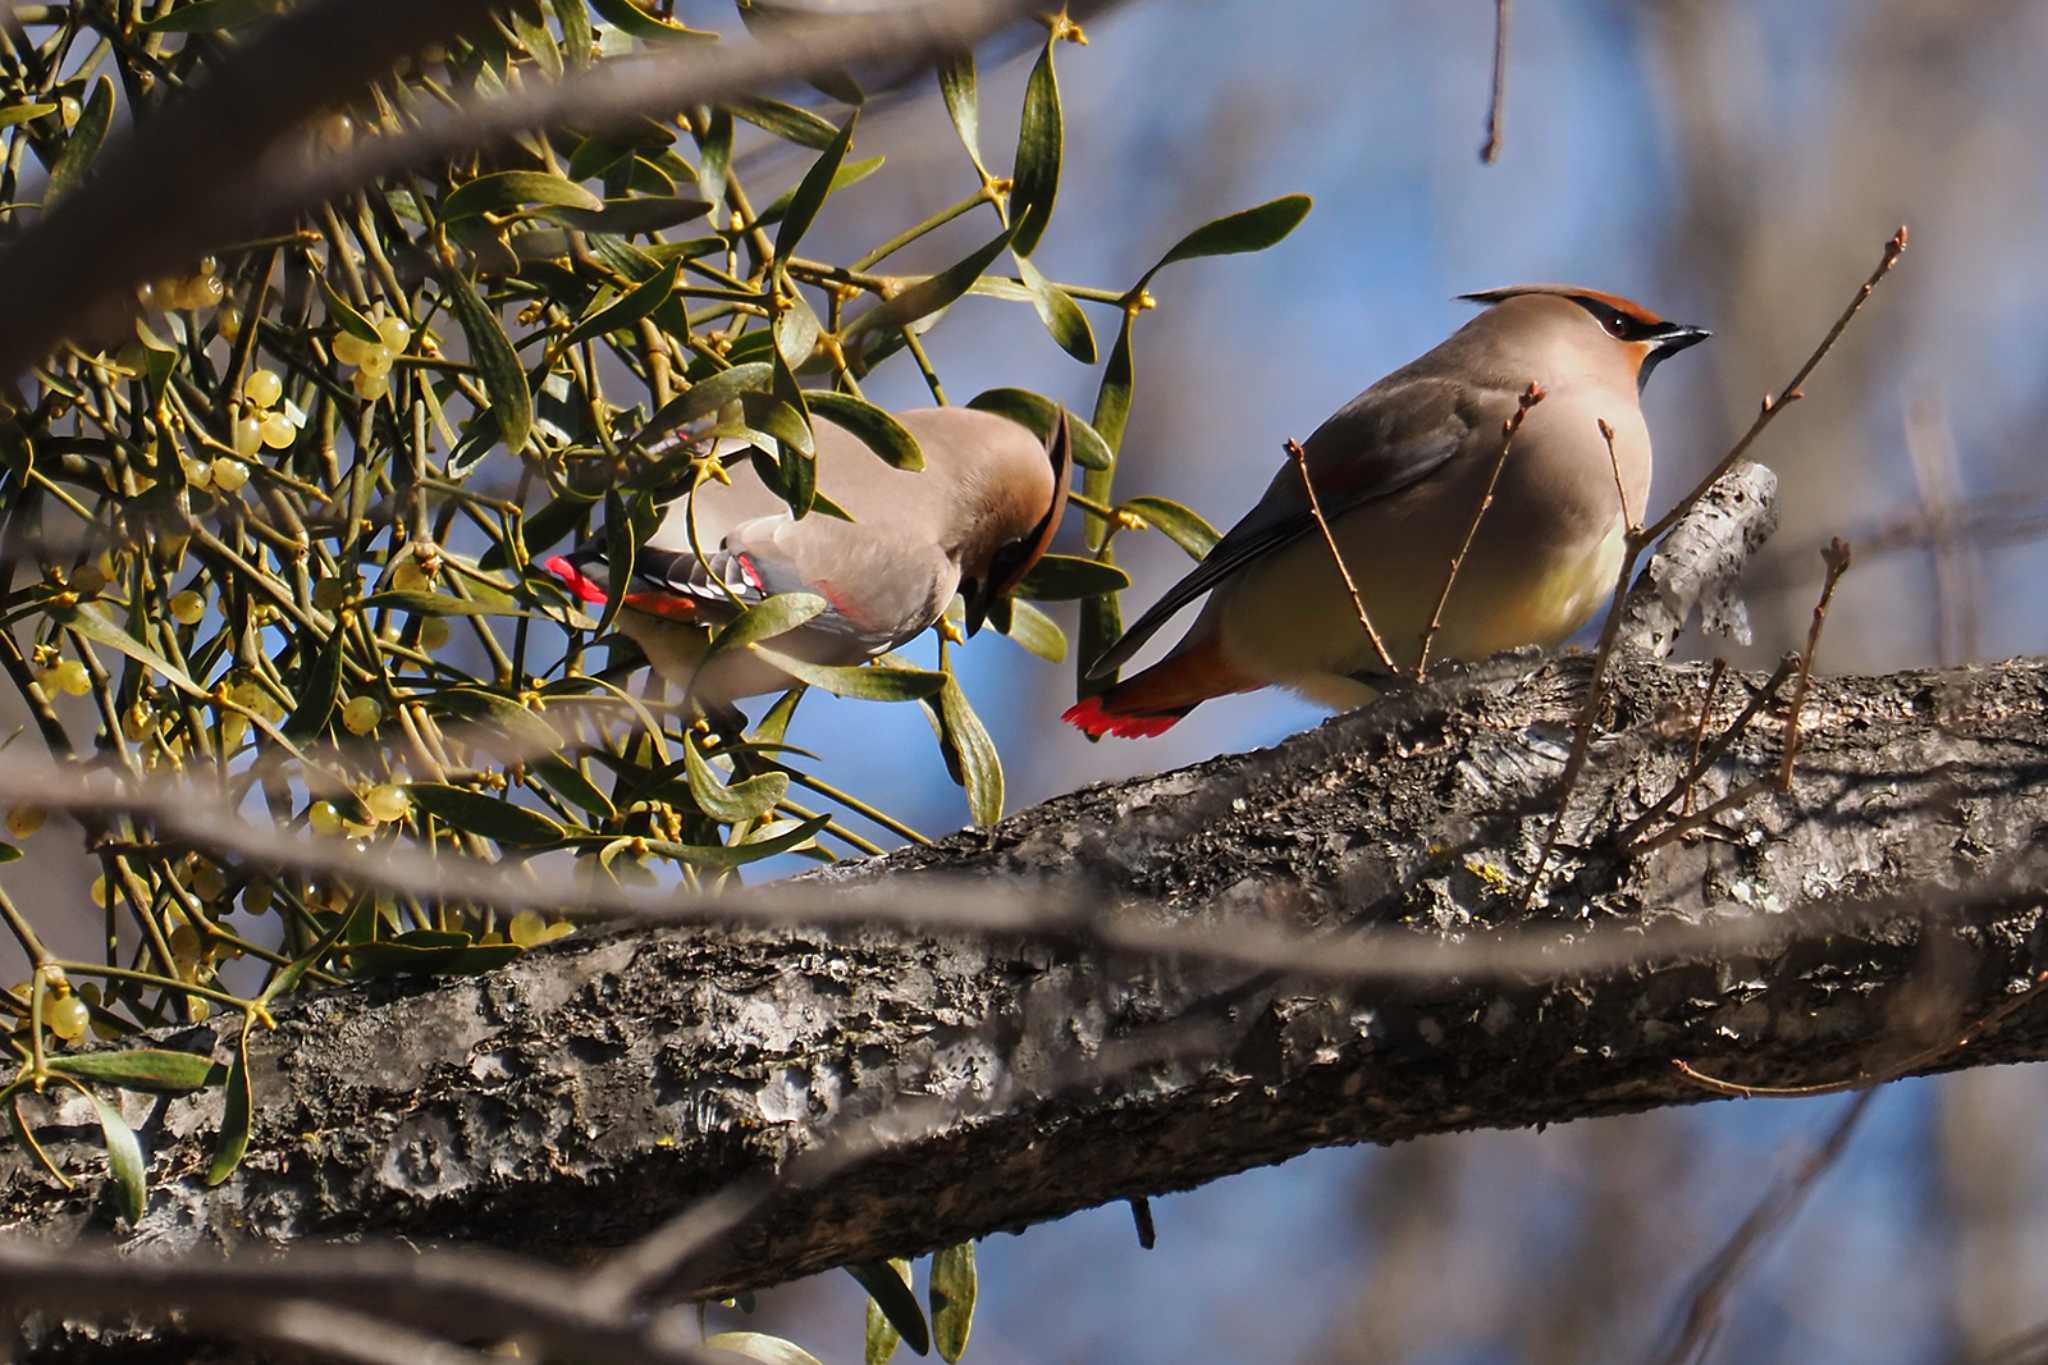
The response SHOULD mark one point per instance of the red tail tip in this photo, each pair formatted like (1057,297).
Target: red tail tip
(577,583)
(1095,720)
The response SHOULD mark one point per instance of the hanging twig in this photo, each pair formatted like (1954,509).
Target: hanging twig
(1496,106)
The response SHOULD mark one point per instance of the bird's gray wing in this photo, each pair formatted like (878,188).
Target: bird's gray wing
(1389,438)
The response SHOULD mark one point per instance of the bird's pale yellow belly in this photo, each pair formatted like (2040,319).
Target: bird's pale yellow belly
(1290,621)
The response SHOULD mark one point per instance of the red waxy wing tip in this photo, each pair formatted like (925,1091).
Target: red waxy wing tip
(574,578)
(1093,719)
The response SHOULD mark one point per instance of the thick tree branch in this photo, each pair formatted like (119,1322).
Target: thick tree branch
(888,1091)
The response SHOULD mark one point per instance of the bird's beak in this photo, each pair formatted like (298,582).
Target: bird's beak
(1676,336)
(978,595)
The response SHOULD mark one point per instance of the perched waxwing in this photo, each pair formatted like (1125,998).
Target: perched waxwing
(1399,472)
(974,520)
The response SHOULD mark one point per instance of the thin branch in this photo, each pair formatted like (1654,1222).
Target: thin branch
(1702,1320)
(1699,731)
(1632,525)
(1712,755)
(1837,556)
(1531,396)
(1770,408)
(1315,508)
(1582,731)
(1496,105)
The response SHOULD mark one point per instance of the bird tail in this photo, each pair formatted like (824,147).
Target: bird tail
(1153,701)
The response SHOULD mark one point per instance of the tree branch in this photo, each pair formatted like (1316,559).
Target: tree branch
(891,1091)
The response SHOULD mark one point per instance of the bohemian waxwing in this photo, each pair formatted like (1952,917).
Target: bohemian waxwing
(974,520)
(1399,472)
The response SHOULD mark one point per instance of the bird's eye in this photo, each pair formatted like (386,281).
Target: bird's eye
(1615,323)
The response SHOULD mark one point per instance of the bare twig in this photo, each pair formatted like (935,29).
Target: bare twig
(1703,761)
(1315,508)
(1496,105)
(1678,829)
(1531,396)
(1770,408)
(1709,1298)
(1837,556)
(1699,731)
(1582,736)
(1629,520)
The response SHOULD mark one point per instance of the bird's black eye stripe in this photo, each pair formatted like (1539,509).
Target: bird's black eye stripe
(1616,323)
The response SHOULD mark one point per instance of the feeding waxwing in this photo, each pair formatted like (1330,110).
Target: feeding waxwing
(1399,472)
(974,520)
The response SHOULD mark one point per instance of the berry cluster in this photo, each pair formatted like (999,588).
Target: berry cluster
(373,360)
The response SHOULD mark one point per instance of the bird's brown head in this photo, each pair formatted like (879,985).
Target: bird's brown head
(1027,517)
(1642,338)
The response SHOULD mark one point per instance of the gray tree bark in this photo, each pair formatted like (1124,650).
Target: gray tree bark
(919,1089)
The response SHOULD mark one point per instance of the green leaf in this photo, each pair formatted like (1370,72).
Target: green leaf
(1035,631)
(952,1289)
(287,978)
(765,620)
(407,959)
(157,1070)
(881,1336)
(629,16)
(796,332)
(577,38)
(643,299)
(930,294)
(874,428)
(974,753)
(1112,414)
(565,780)
(84,143)
(124,1158)
(491,349)
(868,684)
(510,191)
(440,604)
(773,726)
(957,83)
(634,213)
(787,122)
(1040,414)
(707,397)
(809,195)
(1253,229)
(208,16)
(735,804)
(1060,314)
(1102,624)
(237,1116)
(345,315)
(88,622)
(1062,578)
(714,161)
(13,114)
(757,847)
(534,36)
(1183,526)
(525,733)
(1036,180)
(852,173)
(889,1288)
(319,688)
(622,541)
(760,1346)
(475,813)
